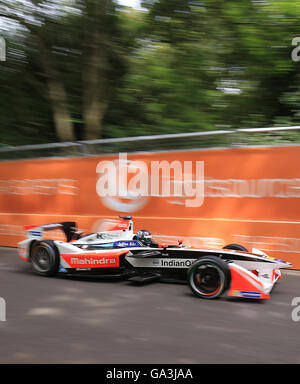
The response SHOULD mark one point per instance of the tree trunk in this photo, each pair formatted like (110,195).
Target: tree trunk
(93,115)
(94,88)
(57,95)
(95,74)
(61,115)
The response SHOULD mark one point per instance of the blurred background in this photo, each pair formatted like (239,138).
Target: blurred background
(96,69)
(81,78)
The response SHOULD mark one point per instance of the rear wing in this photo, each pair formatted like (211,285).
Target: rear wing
(36,231)
(70,229)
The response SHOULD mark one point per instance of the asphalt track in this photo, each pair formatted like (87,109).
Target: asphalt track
(68,320)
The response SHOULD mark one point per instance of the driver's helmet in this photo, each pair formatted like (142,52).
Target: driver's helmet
(144,236)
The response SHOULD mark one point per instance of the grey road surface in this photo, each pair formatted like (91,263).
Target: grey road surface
(68,320)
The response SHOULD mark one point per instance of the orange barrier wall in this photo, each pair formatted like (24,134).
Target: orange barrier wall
(252,197)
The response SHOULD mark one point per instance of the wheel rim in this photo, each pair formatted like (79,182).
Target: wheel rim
(208,280)
(41,259)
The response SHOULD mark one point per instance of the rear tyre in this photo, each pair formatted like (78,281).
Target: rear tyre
(236,247)
(45,258)
(209,277)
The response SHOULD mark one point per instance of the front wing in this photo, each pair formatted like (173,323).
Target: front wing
(248,284)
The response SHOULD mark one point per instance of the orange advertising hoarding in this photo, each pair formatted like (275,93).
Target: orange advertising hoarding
(249,196)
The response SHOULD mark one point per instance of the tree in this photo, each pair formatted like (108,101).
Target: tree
(74,49)
(88,68)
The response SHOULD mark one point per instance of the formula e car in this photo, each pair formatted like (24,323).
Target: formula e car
(119,252)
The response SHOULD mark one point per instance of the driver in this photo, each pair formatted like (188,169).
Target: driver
(145,238)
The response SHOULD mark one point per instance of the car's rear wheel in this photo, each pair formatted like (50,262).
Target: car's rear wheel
(236,247)
(45,258)
(209,277)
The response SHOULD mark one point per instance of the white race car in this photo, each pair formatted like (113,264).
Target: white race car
(120,252)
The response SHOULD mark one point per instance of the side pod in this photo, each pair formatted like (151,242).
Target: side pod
(246,284)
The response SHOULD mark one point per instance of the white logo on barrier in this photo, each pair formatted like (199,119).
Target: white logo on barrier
(126,185)
(255,188)
(2,309)
(47,187)
(269,243)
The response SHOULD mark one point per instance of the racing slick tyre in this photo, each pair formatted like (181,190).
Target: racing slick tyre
(236,247)
(209,277)
(44,258)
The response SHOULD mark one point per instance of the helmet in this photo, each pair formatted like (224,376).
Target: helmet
(144,236)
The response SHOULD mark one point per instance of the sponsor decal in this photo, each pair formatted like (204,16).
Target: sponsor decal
(92,261)
(246,294)
(121,226)
(126,244)
(268,257)
(51,226)
(173,263)
(62,269)
(83,269)
(265,276)
(36,234)
(148,262)
(108,235)
(22,252)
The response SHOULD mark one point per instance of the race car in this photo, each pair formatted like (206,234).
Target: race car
(119,252)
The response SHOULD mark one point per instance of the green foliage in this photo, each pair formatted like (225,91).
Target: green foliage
(175,66)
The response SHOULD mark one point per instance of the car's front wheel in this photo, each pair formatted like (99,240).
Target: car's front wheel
(45,258)
(236,247)
(209,277)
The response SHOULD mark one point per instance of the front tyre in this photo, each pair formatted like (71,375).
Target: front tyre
(209,277)
(45,258)
(236,247)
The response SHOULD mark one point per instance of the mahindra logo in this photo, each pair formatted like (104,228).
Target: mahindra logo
(92,261)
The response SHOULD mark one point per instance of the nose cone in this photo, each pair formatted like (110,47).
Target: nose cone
(279,263)
(284,264)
